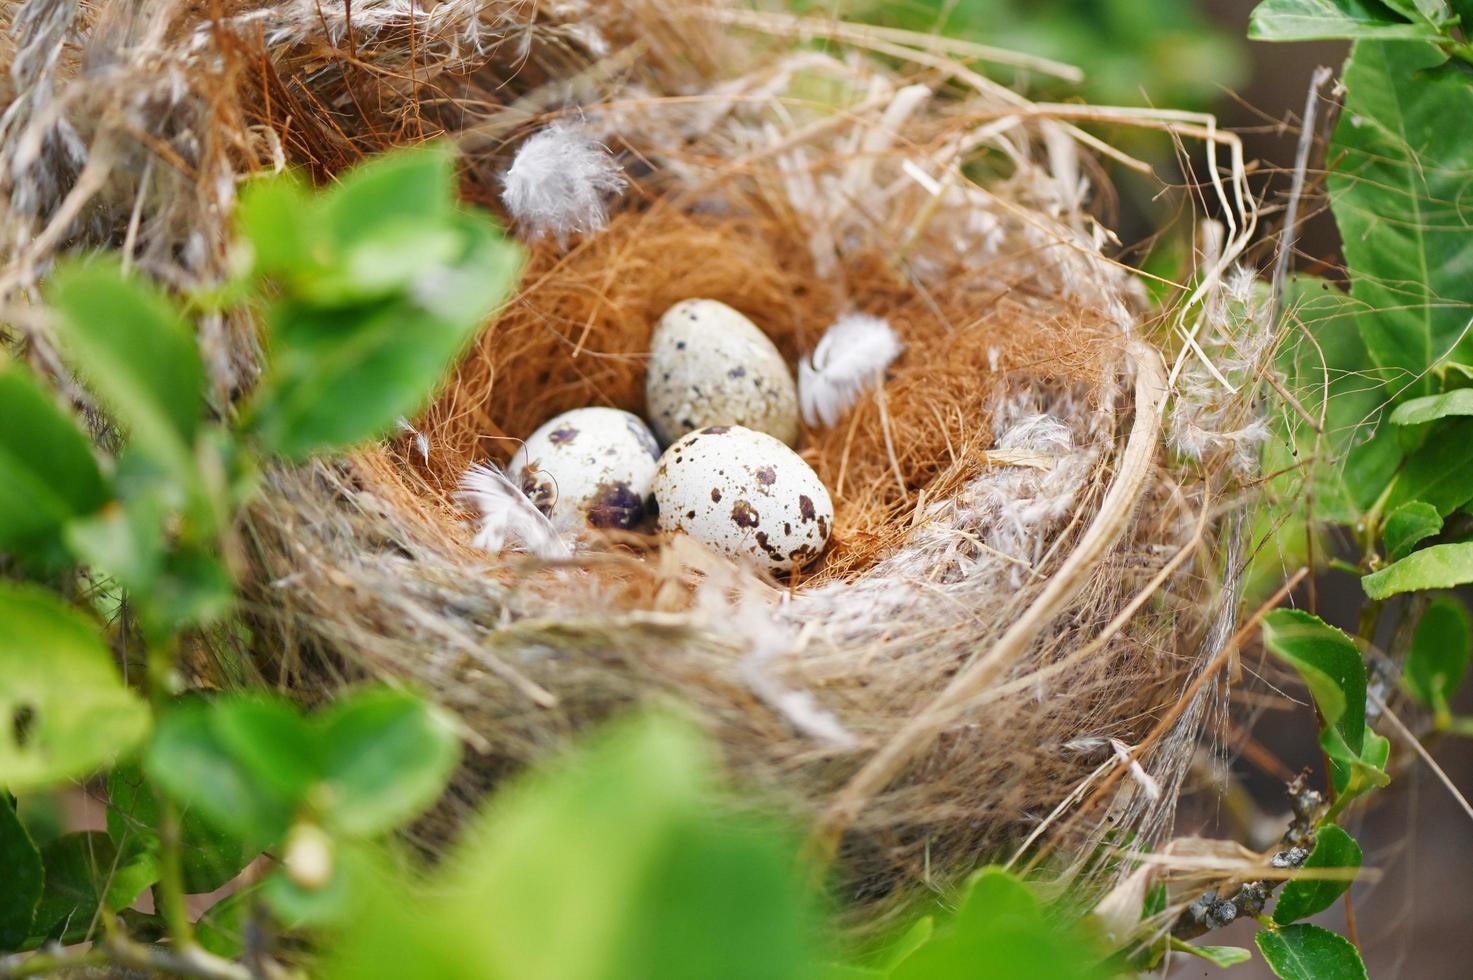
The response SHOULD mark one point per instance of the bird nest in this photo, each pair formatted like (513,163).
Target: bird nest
(995,655)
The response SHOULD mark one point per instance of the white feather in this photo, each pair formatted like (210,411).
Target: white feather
(850,359)
(558,181)
(505,515)
(421,441)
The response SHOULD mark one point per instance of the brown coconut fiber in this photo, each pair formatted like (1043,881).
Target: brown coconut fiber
(997,656)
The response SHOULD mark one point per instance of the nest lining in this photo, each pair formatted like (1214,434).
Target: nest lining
(748,190)
(578,334)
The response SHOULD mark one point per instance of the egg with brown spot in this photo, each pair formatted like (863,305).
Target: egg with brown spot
(589,469)
(746,495)
(710,365)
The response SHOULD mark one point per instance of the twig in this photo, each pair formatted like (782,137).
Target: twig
(1213,911)
(1290,234)
(123,952)
(1421,750)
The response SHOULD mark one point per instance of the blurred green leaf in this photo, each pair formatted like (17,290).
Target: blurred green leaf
(48,474)
(208,858)
(249,764)
(1438,661)
(275,217)
(1440,472)
(1000,931)
(1407,526)
(366,341)
(1331,666)
(341,871)
(918,935)
(271,741)
(189,760)
(1303,897)
(132,347)
(221,929)
(1433,407)
(1398,193)
(1132,51)
(1431,11)
(1219,956)
(1329,369)
(125,540)
(392,190)
(196,589)
(386,756)
(82,871)
(64,712)
(616,864)
(1309,20)
(1306,952)
(21,892)
(1441,566)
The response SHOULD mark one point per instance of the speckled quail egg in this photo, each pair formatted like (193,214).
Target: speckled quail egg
(710,365)
(746,495)
(588,468)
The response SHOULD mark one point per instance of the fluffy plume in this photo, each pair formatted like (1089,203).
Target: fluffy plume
(421,441)
(506,516)
(851,357)
(558,183)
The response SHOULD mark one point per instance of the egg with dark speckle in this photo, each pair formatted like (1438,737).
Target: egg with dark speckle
(746,495)
(710,365)
(591,468)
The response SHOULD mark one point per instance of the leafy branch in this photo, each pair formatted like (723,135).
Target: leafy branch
(365,293)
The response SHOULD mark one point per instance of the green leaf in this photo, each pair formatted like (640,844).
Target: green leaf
(1438,661)
(1332,669)
(64,712)
(412,186)
(21,893)
(83,871)
(398,282)
(1434,407)
(48,474)
(617,864)
(1306,952)
(275,217)
(1441,566)
(1303,897)
(188,760)
(1308,20)
(1398,195)
(1439,473)
(387,755)
(1000,931)
(343,375)
(1330,665)
(208,858)
(125,541)
(221,929)
(329,905)
(131,346)
(1433,12)
(271,741)
(248,764)
(1407,526)
(912,939)
(196,589)
(1220,956)
(1329,369)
